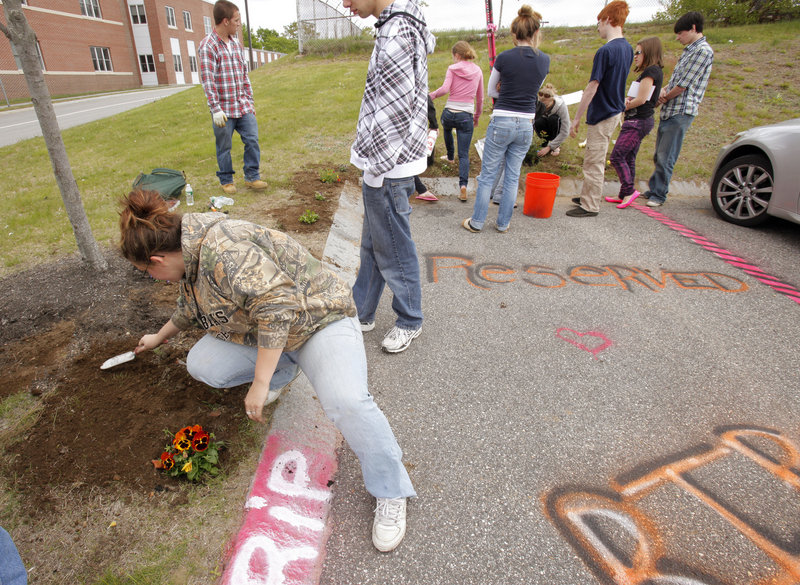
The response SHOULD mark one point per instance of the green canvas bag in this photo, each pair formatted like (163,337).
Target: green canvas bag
(168,182)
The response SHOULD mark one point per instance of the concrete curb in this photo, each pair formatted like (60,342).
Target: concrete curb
(286,512)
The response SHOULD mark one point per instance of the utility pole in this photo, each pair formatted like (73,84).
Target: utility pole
(249,33)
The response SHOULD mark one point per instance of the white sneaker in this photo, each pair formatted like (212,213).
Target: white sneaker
(399,339)
(654,203)
(273,395)
(367,326)
(389,526)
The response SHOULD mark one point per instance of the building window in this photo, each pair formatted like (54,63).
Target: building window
(90,8)
(147,63)
(19,61)
(176,60)
(193,63)
(187,20)
(207,24)
(101,58)
(137,14)
(171,17)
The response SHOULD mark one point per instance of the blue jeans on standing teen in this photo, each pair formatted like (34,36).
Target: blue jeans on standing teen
(669,140)
(12,570)
(388,254)
(507,143)
(464,125)
(335,363)
(247,127)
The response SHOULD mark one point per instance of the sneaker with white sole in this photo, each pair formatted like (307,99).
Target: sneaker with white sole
(273,395)
(398,339)
(367,326)
(389,526)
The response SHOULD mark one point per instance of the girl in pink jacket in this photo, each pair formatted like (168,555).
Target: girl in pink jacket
(464,83)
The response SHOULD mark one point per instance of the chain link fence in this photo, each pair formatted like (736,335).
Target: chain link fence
(327,27)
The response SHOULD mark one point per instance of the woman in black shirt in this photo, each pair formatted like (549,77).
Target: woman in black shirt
(639,121)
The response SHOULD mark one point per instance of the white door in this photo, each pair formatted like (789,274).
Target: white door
(193,62)
(177,61)
(141,40)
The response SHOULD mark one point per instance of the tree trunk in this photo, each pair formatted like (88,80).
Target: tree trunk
(500,18)
(22,36)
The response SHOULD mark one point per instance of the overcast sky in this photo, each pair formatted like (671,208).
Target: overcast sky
(453,14)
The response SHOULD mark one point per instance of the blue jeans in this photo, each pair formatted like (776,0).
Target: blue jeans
(247,127)
(334,361)
(507,143)
(388,254)
(669,140)
(12,570)
(464,125)
(222,364)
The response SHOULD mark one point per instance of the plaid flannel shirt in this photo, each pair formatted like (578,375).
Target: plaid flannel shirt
(692,73)
(392,128)
(223,73)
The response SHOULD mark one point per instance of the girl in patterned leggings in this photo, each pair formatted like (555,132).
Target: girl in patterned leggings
(639,121)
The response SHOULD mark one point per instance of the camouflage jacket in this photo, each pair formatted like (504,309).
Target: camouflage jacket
(254,286)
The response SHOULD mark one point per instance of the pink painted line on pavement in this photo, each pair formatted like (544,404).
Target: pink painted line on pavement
(765,278)
(282,538)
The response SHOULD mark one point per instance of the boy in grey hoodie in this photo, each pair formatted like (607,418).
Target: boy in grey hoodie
(390,150)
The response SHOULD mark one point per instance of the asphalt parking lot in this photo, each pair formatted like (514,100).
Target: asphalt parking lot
(609,399)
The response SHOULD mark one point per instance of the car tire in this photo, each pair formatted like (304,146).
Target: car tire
(741,190)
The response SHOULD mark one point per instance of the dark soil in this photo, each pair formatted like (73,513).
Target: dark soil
(100,429)
(307,186)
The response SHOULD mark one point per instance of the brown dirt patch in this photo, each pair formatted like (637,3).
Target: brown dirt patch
(99,429)
(308,187)
(81,443)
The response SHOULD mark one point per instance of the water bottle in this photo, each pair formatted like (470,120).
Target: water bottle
(189,195)
(218,202)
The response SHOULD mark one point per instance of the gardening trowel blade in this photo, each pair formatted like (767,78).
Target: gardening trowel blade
(117,360)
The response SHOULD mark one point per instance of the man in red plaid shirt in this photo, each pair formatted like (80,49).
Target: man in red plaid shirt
(223,72)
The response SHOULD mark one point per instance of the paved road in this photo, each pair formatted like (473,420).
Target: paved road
(21,124)
(590,398)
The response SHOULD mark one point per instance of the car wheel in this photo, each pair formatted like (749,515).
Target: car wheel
(741,190)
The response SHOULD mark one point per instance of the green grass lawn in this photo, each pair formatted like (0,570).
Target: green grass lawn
(307,109)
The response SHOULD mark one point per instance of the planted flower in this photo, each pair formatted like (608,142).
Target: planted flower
(191,452)
(329,176)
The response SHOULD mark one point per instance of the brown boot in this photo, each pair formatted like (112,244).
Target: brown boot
(257,185)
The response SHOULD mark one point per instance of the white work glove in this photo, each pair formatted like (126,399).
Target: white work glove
(219,119)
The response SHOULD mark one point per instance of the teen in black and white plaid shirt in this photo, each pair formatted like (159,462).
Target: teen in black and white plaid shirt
(390,149)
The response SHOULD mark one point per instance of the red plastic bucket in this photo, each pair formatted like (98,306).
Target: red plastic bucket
(540,194)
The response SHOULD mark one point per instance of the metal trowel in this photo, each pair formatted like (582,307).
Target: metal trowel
(117,360)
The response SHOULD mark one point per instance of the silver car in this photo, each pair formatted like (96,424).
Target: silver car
(758,175)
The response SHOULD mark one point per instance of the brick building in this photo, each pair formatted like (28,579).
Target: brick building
(106,45)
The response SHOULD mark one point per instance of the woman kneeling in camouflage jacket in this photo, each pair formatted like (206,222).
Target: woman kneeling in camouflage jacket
(269,308)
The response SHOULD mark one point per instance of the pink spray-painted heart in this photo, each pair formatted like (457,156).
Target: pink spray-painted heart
(591,341)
